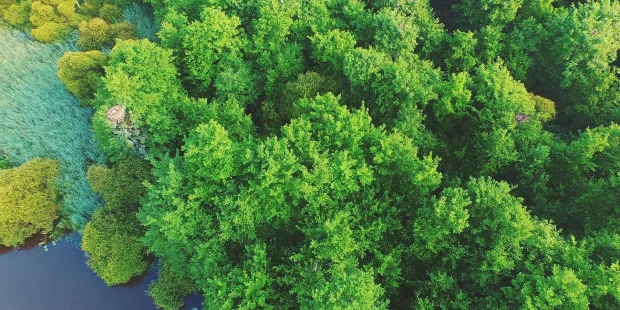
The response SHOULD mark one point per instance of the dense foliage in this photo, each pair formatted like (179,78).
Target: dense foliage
(28,200)
(170,288)
(349,154)
(80,72)
(99,21)
(112,236)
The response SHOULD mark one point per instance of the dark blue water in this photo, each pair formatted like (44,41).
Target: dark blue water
(58,279)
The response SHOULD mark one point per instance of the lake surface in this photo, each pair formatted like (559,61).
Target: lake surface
(57,279)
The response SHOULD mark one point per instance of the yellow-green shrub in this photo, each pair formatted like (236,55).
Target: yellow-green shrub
(43,12)
(544,106)
(80,72)
(50,32)
(53,19)
(99,177)
(17,14)
(121,186)
(170,288)
(94,34)
(97,34)
(101,8)
(111,13)
(28,201)
(124,31)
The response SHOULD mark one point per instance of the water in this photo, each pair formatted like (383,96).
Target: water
(57,279)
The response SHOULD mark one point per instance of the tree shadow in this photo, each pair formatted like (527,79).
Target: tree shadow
(30,243)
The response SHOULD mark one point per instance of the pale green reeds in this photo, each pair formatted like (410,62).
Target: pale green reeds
(40,118)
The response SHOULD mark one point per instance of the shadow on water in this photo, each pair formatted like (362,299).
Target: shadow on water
(56,276)
(137,280)
(148,276)
(29,244)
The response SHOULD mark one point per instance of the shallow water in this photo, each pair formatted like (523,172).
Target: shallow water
(57,279)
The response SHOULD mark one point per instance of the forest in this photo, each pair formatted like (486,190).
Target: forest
(321,154)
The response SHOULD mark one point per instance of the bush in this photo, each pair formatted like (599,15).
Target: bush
(4,163)
(112,242)
(17,14)
(123,31)
(53,19)
(81,72)
(112,237)
(50,32)
(97,34)
(170,288)
(94,34)
(28,201)
(110,10)
(545,107)
(111,13)
(121,186)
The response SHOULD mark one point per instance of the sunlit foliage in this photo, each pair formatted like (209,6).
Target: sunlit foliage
(81,73)
(350,154)
(28,200)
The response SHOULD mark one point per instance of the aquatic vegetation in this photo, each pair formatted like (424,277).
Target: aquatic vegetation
(40,118)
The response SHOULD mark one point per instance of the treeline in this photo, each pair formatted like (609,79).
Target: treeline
(350,154)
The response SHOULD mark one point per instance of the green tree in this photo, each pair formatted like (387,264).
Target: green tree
(216,39)
(582,179)
(111,238)
(479,247)
(81,73)
(112,243)
(252,194)
(141,77)
(575,69)
(479,121)
(479,13)
(296,149)
(169,289)
(278,59)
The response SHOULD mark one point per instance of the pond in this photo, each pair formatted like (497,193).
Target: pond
(56,277)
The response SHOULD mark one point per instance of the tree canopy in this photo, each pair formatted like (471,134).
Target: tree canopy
(349,154)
